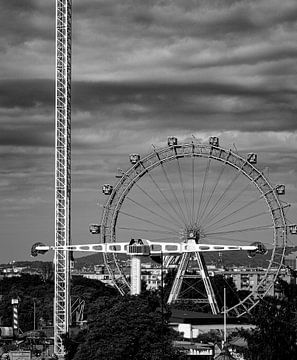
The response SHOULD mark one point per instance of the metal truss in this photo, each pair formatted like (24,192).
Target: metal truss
(207,296)
(146,248)
(62,172)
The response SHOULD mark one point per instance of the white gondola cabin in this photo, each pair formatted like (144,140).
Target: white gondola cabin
(280,189)
(94,229)
(119,173)
(214,141)
(293,229)
(134,158)
(172,141)
(107,189)
(252,158)
(138,247)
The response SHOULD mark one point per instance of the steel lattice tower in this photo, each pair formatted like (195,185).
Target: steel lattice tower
(62,171)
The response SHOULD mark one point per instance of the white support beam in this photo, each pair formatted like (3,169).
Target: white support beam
(151,248)
(207,283)
(135,272)
(146,247)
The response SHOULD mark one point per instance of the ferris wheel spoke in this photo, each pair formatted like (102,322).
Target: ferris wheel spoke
(206,171)
(221,197)
(163,239)
(223,167)
(174,219)
(151,211)
(242,220)
(193,187)
(147,230)
(221,239)
(165,198)
(144,220)
(173,193)
(252,202)
(228,203)
(183,189)
(249,229)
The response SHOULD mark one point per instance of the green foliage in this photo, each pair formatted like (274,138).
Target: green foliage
(127,328)
(275,334)
(90,289)
(212,336)
(219,282)
(119,328)
(28,289)
(132,327)
(71,343)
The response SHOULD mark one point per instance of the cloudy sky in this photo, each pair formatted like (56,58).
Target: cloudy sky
(142,70)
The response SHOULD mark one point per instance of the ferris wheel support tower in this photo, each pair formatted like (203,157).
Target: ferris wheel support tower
(62,172)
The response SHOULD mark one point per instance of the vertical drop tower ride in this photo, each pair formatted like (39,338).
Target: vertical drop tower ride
(62,172)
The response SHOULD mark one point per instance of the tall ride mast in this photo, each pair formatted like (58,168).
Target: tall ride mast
(62,171)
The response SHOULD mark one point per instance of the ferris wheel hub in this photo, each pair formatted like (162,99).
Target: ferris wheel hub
(192,233)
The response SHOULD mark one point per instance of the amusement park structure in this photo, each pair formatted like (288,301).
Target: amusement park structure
(196,188)
(178,196)
(62,172)
(143,247)
(200,227)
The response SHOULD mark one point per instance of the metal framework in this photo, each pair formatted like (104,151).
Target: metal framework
(174,153)
(148,248)
(62,171)
(145,248)
(208,298)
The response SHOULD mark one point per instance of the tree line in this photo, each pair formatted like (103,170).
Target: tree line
(135,327)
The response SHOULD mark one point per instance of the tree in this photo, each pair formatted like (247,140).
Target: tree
(212,336)
(30,289)
(27,288)
(129,328)
(275,334)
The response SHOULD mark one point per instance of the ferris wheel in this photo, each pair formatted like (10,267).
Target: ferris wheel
(200,191)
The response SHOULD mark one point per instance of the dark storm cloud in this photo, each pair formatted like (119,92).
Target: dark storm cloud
(188,105)
(27,135)
(204,106)
(190,18)
(22,21)
(251,57)
(17,7)
(90,93)
(27,93)
(27,113)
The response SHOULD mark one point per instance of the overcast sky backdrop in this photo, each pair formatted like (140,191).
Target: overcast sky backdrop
(142,70)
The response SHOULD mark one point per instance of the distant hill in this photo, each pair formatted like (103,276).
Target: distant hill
(92,259)
(33,264)
(228,259)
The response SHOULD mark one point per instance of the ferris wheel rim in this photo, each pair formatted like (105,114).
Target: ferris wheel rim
(145,165)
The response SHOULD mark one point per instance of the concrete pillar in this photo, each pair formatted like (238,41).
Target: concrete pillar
(135,275)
